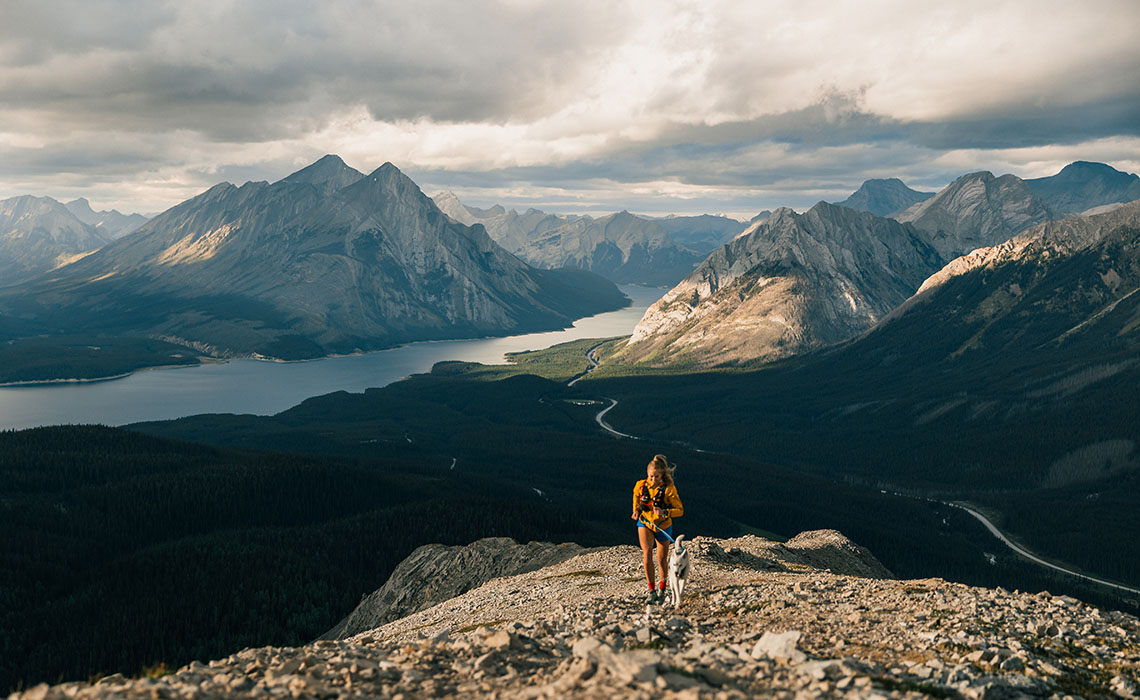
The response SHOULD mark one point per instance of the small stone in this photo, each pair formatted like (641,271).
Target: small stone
(500,640)
(643,635)
(585,645)
(779,647)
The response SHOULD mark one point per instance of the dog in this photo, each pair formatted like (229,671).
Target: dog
(678,570)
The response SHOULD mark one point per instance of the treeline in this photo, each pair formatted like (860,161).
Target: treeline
(53,357)
(121,550)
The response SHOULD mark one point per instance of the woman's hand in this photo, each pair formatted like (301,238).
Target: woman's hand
(634,516)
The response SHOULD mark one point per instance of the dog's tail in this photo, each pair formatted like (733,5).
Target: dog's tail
(679,542)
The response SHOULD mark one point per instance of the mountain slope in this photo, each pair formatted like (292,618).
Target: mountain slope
(1081,186)
(110,224)
(975,211)
(884,197)
(791,283)
(38,234)
(755,623)
(1060,283)
(304,267)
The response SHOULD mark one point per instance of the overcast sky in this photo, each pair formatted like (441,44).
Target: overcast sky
(654,106)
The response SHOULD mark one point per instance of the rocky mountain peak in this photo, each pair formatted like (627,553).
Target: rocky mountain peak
(1083,185)
(759,619)
(329,173)
(789,283)
(884,197)
(975,211)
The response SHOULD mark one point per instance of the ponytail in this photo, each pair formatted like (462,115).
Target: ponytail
(660,462)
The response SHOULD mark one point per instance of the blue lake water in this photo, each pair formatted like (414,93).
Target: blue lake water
(252,386)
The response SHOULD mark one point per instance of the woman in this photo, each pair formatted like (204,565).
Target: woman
(655,504)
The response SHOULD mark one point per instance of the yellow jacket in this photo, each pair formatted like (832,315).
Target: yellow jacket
(673,507)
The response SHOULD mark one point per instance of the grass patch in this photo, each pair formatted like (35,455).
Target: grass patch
(156,671)
(477,625)
(585,573)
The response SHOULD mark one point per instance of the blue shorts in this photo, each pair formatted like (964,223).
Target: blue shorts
(657,534)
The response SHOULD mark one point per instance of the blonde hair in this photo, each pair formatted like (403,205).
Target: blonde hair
(660,462)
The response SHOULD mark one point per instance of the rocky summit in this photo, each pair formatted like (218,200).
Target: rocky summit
(814,617)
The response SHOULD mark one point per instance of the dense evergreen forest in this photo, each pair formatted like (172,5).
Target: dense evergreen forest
(121,550)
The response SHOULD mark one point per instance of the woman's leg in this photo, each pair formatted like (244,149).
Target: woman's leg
(663,560)
(646,539)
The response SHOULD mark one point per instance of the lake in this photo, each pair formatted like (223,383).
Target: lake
(264,388)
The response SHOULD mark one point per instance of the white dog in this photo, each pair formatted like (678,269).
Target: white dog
(678,570)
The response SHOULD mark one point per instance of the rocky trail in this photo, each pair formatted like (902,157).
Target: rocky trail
(817,616)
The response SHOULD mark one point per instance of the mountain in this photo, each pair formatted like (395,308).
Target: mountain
(791,283)
(620,247)
(702,234)
(328,174)
(1081,186)
(884,197)
(306,267)
(1062,283)
(110,224)
(975,211)
(759,620)
(38,234)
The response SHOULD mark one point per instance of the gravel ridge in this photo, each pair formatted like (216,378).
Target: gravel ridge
(792,620)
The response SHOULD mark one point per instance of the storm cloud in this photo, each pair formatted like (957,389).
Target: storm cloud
(657,106)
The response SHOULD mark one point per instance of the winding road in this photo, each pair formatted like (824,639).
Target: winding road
(1017,549)
(1025,553)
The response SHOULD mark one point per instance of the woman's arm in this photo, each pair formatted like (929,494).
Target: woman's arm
(676,508)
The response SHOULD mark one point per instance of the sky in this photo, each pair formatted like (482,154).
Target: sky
(584,106)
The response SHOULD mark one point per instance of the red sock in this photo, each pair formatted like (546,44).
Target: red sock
(662,586)
(651,588)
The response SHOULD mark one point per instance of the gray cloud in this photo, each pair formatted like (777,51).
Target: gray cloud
(571,102)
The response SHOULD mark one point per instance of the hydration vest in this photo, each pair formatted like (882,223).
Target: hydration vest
(648,502)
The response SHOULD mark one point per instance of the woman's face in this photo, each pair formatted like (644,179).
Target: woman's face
(653,475)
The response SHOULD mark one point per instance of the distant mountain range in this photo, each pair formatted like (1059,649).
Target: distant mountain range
(38,234)
(327,260)
(795,283)
(622,247)
(110,224)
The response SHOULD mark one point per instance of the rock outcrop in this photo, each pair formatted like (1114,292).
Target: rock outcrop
(791,283)
(435,573)
(756,621)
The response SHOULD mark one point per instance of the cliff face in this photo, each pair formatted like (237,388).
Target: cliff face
(758,619)
(791,283)
(975,211)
